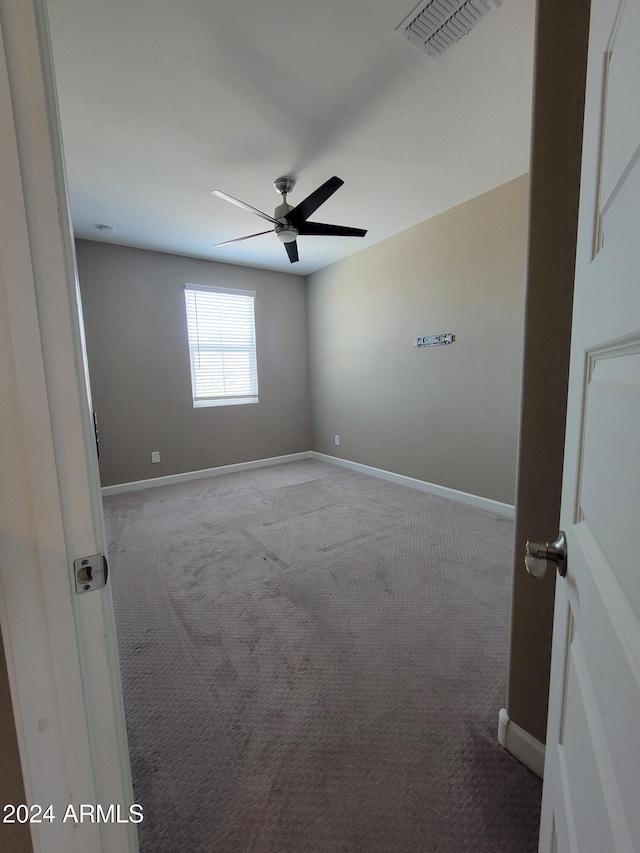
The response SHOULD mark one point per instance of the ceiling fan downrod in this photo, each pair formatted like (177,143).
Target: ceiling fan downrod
(285,230)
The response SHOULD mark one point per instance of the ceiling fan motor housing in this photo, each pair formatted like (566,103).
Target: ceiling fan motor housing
(286,232)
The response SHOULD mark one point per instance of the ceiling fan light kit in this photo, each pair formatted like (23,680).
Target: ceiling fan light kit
(286,234)
(289,222)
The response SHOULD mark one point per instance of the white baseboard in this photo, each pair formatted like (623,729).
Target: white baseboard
(422,485)
(138,485)
(520,743)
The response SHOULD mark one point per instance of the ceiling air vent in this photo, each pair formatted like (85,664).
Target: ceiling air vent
(435,25)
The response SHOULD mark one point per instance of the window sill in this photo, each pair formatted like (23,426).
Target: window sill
(227,401)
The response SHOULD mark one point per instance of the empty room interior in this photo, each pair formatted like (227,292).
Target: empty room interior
(328,640)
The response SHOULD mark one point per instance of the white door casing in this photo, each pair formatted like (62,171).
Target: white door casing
(592,769)
(60,647)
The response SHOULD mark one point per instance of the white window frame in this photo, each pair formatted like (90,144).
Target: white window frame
(246,345)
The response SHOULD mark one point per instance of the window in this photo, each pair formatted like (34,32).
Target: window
(222,346)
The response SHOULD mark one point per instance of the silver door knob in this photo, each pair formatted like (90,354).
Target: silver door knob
(538,555)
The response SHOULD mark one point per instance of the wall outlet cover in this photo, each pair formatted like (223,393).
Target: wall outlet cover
(155,455)
(336,438)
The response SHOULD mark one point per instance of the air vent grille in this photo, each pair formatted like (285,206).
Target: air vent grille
(435,25)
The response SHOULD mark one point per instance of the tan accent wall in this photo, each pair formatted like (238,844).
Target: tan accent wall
(133,305)
(13,837)
(560,64)
(446,414)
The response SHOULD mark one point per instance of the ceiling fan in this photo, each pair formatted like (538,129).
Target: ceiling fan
(288,221)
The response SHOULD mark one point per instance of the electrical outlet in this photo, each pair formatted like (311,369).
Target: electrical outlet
(155,455)
(336,439)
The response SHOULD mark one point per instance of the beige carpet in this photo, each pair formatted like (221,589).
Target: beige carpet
(314,660)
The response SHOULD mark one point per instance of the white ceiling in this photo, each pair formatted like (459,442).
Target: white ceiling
(163,101)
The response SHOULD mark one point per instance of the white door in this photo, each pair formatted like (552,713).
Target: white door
(60,646)
(591,797)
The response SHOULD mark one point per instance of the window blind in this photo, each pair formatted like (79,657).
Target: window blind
(222,346)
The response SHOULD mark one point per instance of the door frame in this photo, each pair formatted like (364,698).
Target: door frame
(60,647)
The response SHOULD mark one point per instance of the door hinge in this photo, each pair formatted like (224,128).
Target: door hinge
(95,430)
(90,573)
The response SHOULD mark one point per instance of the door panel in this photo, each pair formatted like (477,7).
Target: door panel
(611,423)
(592,771)
(620,128)
(579,753)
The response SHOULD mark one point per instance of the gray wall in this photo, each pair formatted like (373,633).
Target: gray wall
(449,414)
(133,305)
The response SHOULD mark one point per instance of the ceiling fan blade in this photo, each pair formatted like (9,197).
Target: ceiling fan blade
(238,239)
(330,230)
(292,251)
(312,202)
(244,206)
